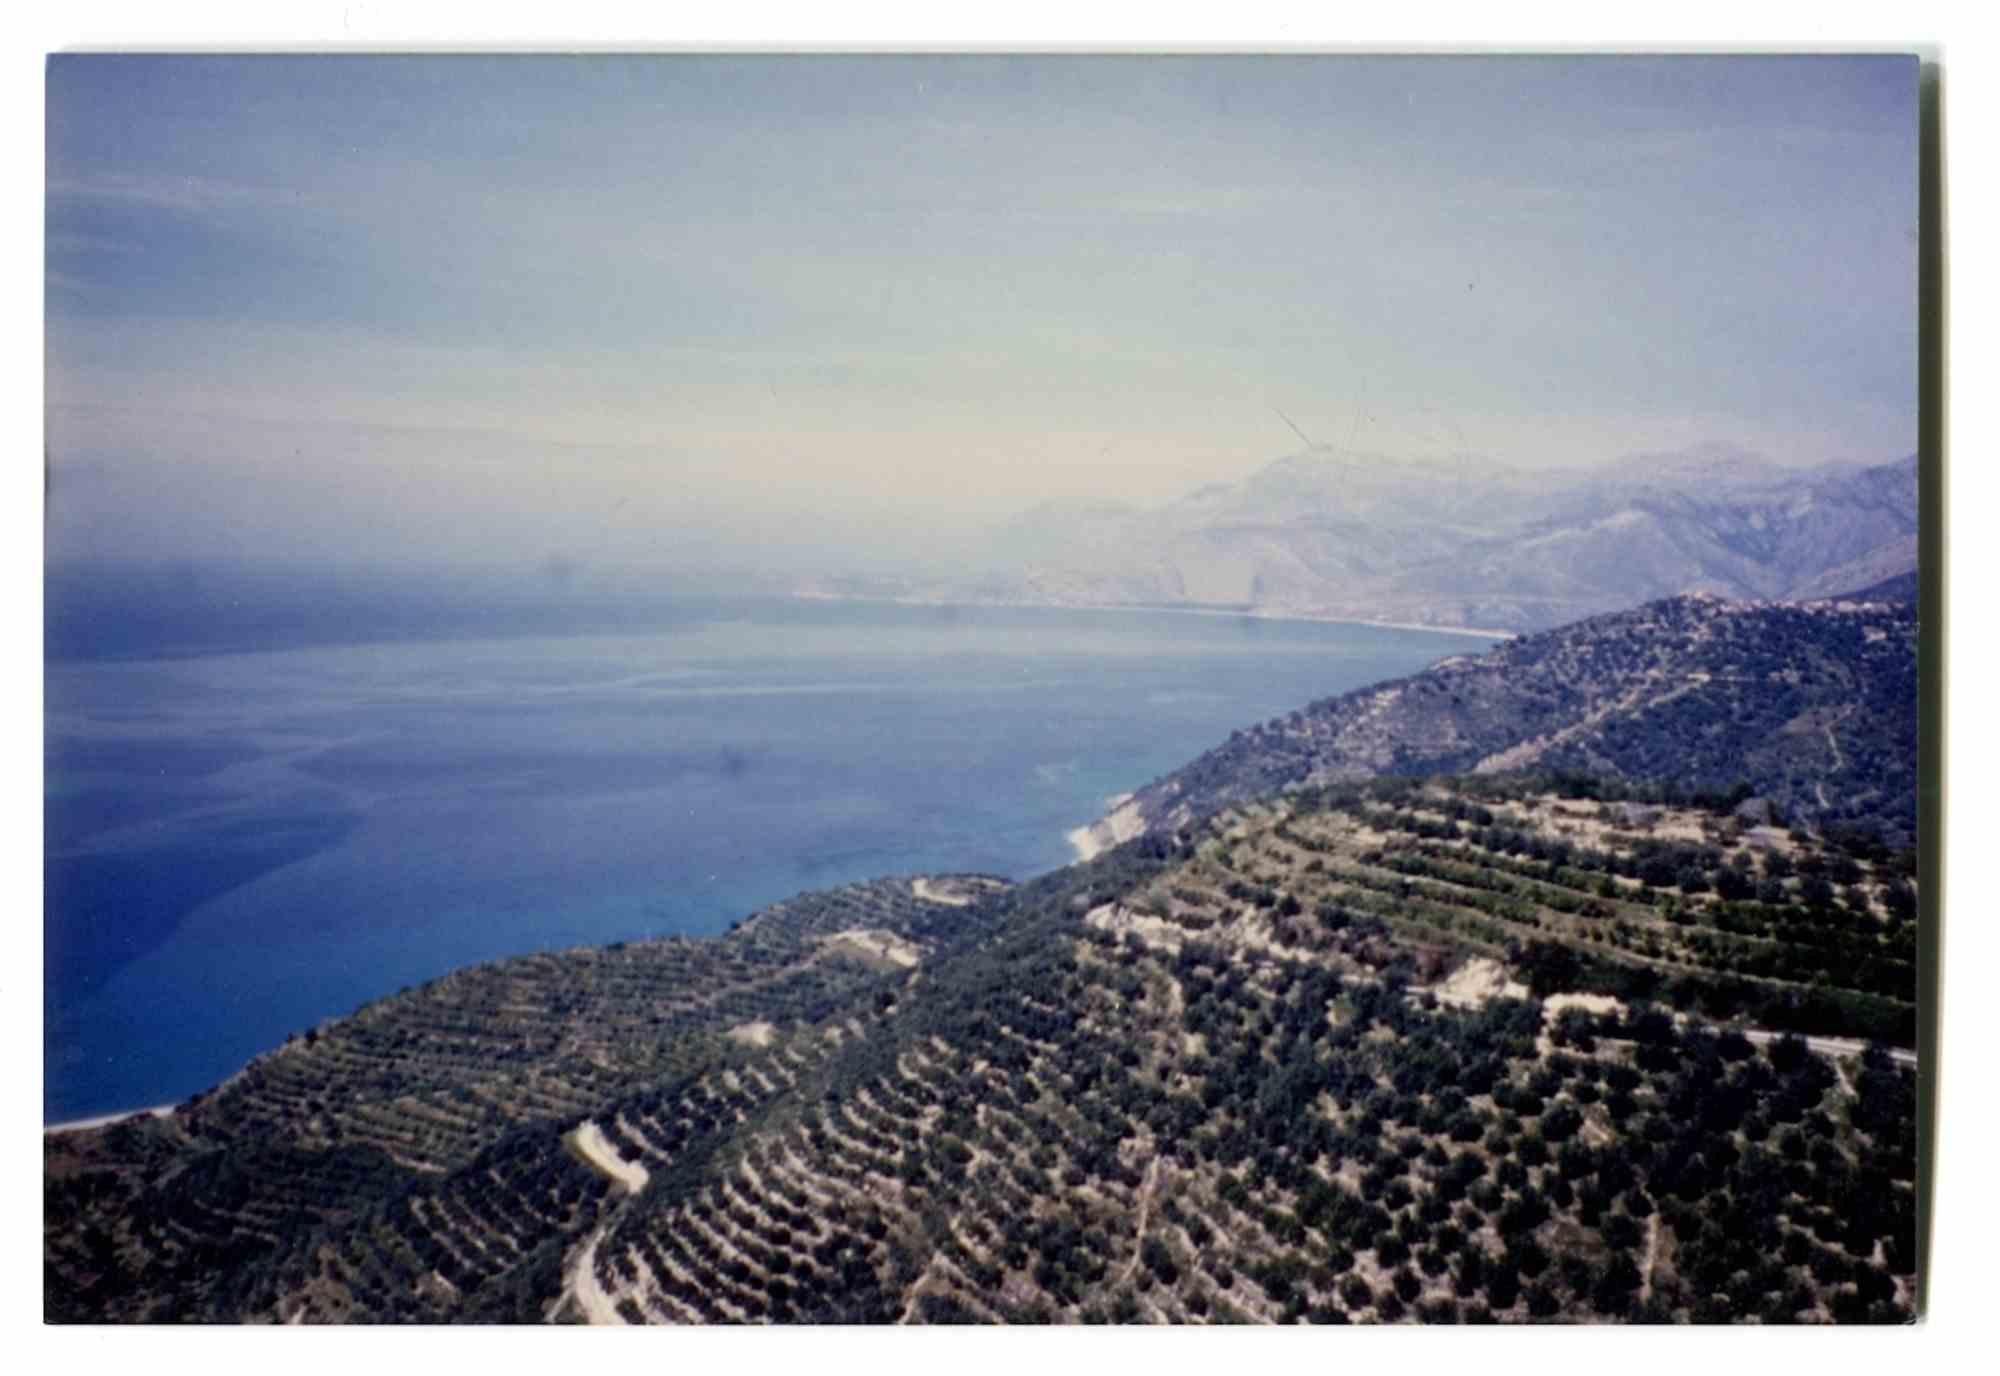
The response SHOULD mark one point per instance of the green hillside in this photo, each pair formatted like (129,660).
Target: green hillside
(1811,707)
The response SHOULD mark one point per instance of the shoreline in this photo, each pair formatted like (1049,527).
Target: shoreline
(1121,820)
(1117,825)
(1258,614)
(105,1120)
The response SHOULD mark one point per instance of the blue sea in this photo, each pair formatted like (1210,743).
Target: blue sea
(243,841)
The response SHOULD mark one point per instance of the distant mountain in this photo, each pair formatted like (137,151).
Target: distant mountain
(1462,542)
(1876,575)
(1901,588)
(1813,706)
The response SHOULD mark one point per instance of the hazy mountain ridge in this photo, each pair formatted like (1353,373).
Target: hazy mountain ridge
(1460,542)
(1813,705)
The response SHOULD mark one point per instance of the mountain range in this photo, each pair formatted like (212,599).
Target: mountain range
(1457,542)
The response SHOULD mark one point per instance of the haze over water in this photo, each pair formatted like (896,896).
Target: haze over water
(242,844)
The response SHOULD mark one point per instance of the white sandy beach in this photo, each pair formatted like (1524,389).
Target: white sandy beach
(84,1124)
(1255,613)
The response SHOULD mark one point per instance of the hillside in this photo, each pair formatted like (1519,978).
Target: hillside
(158,1218)
(1812,707)
(1477,1050)
(1462,542)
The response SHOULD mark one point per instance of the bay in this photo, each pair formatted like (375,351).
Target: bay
(240,845)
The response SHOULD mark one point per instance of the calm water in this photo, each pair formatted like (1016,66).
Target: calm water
(242,844)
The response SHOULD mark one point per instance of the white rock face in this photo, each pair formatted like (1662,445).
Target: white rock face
(1120,825)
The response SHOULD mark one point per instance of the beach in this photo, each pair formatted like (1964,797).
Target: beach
(1147,608)
(107,1119)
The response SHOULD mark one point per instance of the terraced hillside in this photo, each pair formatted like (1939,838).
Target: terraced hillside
(1811,706)
(158,1218)
(1476,1050)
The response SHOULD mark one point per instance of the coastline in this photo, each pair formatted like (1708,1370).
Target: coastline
(105,1120)
(1255,613)
(1082,841)
(1120,823)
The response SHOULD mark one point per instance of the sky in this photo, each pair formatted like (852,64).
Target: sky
(660,310)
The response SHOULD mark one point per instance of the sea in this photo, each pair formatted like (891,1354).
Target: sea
(248,834)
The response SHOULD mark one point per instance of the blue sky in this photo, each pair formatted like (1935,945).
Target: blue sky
(640,309)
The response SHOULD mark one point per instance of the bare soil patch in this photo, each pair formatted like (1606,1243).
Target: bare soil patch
(758,1034)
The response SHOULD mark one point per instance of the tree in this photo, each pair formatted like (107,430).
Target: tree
(1789,1053)
(1549,967)
(1561,1123)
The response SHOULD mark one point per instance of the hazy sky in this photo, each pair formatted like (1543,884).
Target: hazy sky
(627,308)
